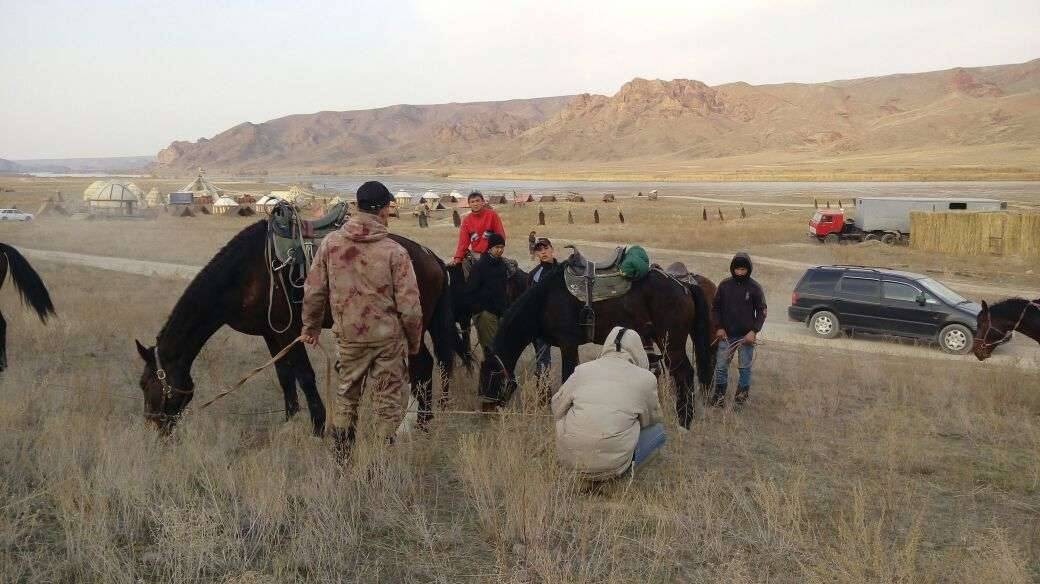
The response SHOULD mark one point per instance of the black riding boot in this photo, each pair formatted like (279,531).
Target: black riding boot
(718,400)
(342,442)
(742,395)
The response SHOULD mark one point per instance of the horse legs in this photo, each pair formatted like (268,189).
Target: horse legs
(681,370)
(286,375)
(301,365)
(3,342)
(420,373)
(568,361)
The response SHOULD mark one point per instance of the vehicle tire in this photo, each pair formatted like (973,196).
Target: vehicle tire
(890,239)
(831,238)
(955,339)
(824,324)
(871,237)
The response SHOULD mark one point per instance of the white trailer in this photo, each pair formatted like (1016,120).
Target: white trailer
(892,214)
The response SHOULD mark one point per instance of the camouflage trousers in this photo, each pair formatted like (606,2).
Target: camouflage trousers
(384,368)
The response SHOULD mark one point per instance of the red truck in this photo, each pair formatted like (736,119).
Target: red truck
(887,218)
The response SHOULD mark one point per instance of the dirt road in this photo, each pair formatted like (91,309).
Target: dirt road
(1019,353)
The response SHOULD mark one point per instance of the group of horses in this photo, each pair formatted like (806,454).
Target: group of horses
(238,288)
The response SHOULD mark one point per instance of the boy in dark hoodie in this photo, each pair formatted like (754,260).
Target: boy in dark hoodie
(739,312)
(486,290)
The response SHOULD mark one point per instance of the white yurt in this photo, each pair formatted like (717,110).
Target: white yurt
(456,196)
(225,205)
(115,197)
(402,198)
(431,196)
(93,189)
(265,203)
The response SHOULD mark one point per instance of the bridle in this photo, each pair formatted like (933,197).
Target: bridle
(167,389)
(1005,336)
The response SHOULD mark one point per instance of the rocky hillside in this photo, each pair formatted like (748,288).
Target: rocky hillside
(8,166)
(955,112)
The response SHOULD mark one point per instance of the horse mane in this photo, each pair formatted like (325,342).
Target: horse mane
(521,319)
(1009,308)
(220,273)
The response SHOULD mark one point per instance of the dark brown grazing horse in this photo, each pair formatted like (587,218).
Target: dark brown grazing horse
(996,323)
(34,294)
(234,289)
(658,307)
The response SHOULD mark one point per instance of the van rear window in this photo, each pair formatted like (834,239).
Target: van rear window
(820,281)
(861,287)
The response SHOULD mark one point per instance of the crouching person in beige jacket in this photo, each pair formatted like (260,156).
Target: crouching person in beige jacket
(608,420)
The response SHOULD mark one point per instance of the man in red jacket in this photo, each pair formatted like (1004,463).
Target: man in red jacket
(481,222)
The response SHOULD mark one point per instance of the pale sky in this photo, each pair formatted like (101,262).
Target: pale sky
(105,78)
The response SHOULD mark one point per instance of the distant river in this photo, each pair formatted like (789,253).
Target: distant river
(1023,190)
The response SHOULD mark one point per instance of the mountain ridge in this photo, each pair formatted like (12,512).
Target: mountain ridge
(958,116)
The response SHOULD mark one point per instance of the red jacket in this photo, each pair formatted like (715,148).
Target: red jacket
(474,229)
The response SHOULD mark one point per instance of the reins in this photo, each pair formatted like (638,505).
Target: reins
(1006,336)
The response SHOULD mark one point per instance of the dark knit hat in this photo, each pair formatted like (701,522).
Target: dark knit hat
(373,196)
(495,239)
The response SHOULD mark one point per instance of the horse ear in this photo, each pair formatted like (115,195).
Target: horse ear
(143,351)
(985,307)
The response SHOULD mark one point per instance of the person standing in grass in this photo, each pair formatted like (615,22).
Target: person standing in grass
(542,249)
(739,312)
(476,228)
(369,282)
(486,290)
(608,418)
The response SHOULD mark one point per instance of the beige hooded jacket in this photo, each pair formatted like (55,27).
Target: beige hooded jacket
(602,407)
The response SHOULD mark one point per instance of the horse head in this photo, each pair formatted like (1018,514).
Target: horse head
(164,397)
(988,337)
(496,379)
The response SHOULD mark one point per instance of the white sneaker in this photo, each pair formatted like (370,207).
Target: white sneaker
(684,430)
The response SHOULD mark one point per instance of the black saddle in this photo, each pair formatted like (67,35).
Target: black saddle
(577,264)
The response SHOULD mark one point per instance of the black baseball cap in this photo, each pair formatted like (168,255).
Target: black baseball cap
(373,196)
(542,242)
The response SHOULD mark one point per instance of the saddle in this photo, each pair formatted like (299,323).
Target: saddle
(589,282)
(679,272)
(293,239)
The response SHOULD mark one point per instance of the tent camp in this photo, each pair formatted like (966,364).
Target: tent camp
(521,198)
(495,199)
(265,203)
(431,196)
(575,198)
(456,196)
(225,206)
(547,198)
(402,198)
(115,197)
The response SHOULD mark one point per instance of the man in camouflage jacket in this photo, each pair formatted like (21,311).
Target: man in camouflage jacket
(369,283)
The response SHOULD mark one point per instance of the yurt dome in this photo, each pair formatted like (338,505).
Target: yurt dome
(114,191)
(224,205)
(431,196)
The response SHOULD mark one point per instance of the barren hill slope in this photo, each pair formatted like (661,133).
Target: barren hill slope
(954,117)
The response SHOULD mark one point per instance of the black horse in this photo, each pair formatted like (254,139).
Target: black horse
(236,289)
(995,324)
(658,307)
(516,285)
(31,288)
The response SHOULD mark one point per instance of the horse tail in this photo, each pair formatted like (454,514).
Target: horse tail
(701,335)
(28,283)
(447,341)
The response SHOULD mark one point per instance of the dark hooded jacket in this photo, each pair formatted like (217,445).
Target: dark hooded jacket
(486,286)
(740,303)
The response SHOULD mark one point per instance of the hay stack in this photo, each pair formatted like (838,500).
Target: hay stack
(976,234)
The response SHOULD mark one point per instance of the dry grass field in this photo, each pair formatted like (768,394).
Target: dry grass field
(846,466)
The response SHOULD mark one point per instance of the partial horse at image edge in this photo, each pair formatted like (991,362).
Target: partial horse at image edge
(30,287)
(995,324)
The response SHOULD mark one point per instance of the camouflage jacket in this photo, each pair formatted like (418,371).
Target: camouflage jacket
(369,283)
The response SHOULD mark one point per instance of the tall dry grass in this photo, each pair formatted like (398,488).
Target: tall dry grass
(845,467)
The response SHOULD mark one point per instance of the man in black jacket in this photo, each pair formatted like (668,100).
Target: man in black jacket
(486,290)
(543,250)
(739,312)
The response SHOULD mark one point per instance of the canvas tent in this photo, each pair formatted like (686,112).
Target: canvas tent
(224,206)
(402,198)
(456,196)
(118,197)
(523,198)
(201,187)
(608,197)
(93,189)
(547,198)
(495,199)
(575,198)
(266,203)
(431,196)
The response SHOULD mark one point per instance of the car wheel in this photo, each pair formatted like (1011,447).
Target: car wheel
(825,324)
(955,339)
(831,238)
(889,239)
